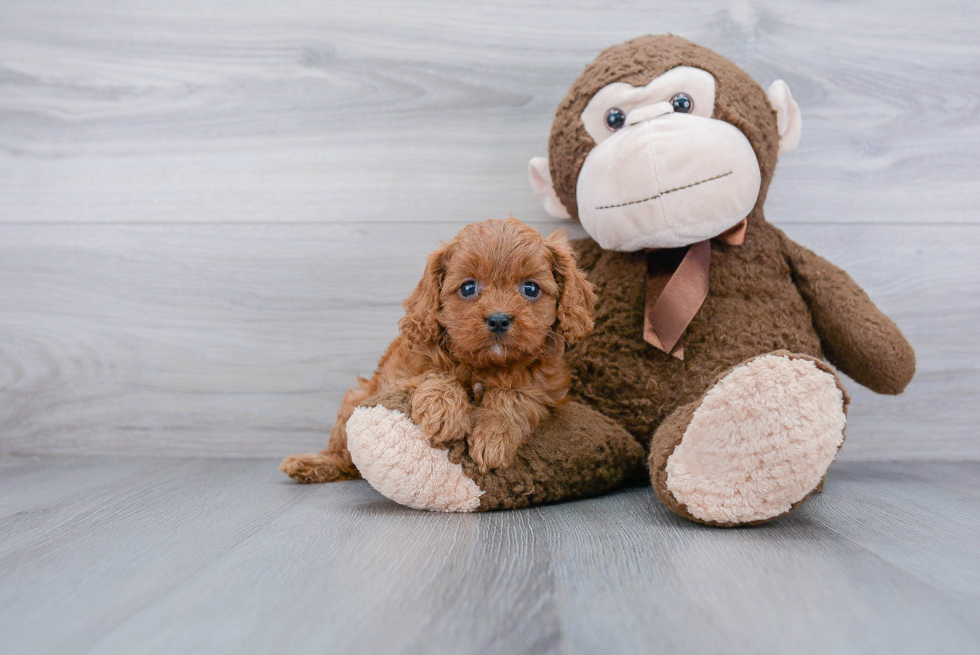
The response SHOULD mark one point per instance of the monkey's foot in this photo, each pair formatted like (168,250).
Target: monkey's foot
(755,446)
(395,456)
(575,452)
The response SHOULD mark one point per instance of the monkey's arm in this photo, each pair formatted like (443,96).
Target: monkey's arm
(856,337)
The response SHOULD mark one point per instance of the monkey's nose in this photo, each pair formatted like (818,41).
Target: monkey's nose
(498,322)
(649,112)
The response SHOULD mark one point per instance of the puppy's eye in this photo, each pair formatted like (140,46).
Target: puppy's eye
(468,289)
(615,119)
(530,289)
(682,103)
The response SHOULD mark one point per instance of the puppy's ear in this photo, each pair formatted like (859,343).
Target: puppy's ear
(576,299)
(419,323)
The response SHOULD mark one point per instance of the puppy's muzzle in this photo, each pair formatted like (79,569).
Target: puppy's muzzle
(498,322)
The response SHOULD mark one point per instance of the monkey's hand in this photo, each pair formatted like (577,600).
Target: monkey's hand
(441,408)
(856,337)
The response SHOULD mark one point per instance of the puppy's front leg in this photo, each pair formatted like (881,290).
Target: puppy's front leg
(504,420)
(441,408)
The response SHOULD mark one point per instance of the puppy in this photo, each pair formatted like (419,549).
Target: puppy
(481,346)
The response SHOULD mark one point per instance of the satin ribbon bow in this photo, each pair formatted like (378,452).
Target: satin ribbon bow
(667,314)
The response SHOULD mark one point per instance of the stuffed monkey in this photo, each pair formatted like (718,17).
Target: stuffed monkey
(715,333)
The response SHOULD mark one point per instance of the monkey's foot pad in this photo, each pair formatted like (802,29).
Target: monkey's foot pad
(394,455)
(574,453)
(759,442)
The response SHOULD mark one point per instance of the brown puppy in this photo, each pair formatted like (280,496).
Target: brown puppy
(481,346)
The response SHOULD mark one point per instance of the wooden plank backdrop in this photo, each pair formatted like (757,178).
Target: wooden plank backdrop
(210,210)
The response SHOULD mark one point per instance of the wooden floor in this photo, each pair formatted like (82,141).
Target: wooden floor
(190,555)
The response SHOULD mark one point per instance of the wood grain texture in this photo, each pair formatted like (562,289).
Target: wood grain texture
(209,212)
(239,340)
(429,110)
(195,555)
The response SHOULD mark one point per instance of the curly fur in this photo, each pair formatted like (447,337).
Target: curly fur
(467,383)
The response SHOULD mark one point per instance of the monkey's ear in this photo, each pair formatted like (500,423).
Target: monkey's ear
(575,314)
(541,183)
(788,119)
(421,308)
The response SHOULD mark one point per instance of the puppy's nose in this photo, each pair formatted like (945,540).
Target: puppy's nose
(498,322)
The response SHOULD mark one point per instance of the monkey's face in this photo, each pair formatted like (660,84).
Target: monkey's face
(663,172)
(661,143)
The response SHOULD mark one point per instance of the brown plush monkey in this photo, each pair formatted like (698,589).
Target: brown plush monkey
(712,327)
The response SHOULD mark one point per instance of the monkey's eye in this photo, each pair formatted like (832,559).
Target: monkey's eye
(530,289)
(615,119)
(682,103)
(468,289)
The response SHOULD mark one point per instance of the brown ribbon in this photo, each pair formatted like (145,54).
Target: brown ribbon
(671,307)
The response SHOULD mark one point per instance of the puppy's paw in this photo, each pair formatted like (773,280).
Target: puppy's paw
(313,468)
(442,413)
(493,443)
(444,424)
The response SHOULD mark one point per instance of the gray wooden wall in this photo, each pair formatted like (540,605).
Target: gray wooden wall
(210,210)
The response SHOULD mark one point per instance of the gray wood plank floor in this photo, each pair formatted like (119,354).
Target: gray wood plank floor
(156,555)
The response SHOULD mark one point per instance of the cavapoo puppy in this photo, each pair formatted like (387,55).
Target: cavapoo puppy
(481,346)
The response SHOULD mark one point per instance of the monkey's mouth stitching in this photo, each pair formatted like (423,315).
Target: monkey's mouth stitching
(663,193)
